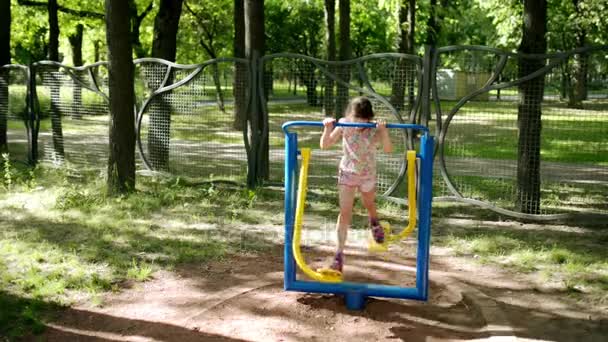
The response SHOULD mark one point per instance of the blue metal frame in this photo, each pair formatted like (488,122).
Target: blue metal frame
(356,293)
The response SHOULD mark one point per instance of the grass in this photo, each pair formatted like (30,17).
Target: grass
(63,241)
(573,261)
(489,130)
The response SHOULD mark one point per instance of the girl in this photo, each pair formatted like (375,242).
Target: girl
(357,169)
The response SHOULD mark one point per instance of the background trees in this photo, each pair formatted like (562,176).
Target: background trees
(69,31)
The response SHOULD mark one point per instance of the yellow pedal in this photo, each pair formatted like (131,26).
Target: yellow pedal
(330,275)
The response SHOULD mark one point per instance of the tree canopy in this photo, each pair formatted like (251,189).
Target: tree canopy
(298,26)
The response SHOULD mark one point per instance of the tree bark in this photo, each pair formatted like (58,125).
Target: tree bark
(5,58)
(166,25)
(53,55)
(254,49)
(345,54)
(578,87)
(121,162)
(529,108)
(239,86)
(76,43)
(404,77)
(53,52)
(136,20)
(164,46)
(330,37)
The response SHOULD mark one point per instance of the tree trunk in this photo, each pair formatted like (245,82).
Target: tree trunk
(254,49)
(76,43)
(239,86)
(578,89)
(219,95)
(5,58)
(166,25)
(330,37)
(121,163)
(136,20)
(345,54)
(529,109)
(404,77)
(164,46)
(53,55)
(53,52)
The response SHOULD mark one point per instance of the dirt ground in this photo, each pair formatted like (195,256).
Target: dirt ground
(242,299)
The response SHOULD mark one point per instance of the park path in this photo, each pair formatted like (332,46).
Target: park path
(241,299)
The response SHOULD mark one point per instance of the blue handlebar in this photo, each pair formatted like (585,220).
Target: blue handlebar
(353,124)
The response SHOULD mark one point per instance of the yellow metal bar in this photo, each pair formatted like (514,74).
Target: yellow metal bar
(327,277)
(411,196)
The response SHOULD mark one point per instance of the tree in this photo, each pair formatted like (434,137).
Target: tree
(254,49)
(164,46)
(435,21)
(53,54)
(166,25)
(330,41)
(345,54)
(212,25)
(529,108)
(5,58)
(76,44)
(53,8)
(136,20)
(240,71)
(121,163)
(403,76)
(578,90)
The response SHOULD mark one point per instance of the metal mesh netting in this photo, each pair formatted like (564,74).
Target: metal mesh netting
(193,130)
(73,115)
(563,137)
(296,89)
(13,112)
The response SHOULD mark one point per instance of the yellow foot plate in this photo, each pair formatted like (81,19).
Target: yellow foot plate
(330,275)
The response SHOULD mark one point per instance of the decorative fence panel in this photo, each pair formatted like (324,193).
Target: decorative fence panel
(480,141)
(187,122)
(73,114)
(299,87)
(496,122)
(15,117)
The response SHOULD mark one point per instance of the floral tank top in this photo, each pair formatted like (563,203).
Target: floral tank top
(359,150)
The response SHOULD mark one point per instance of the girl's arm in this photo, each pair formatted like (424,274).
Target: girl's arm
(330,135)
(382,135)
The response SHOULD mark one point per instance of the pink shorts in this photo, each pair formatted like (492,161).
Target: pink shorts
(363,183)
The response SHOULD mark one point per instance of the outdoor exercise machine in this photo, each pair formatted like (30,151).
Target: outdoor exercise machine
(419,213)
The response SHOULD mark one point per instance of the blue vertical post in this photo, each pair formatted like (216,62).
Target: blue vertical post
(425,198)
(291,161)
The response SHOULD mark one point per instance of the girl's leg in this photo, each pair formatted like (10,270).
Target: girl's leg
(347,200)
(369,202)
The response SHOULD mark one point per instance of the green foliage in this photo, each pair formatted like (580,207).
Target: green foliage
(373,29)
(7,169)
(206,29)
(298,26)
(295,26)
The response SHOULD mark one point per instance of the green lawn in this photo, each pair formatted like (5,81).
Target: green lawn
(63,241)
